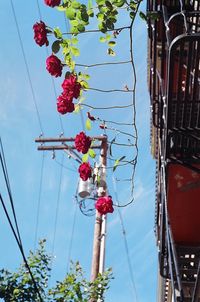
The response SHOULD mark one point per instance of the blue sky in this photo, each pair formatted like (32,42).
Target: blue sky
(19,127)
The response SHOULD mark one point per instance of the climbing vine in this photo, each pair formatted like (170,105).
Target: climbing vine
(62,62)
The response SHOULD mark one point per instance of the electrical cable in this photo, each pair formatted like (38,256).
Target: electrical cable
(20,248)
(125,242)
(39,201)
(56,213)
(52,78)
(15,233)
(27,67)
(6,178)
(72,231)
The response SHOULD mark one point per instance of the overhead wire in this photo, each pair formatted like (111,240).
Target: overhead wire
(6,178)
(17,232)
(39,201)
(56,214)
(20,248)
(72,229)
(52,78)
(125,242)
(27,67)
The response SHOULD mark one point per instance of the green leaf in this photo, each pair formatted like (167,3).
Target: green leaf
(84,84)
(74,30)
(108,37)
(55,46)
(77,108)
(143,16)
(133,5)
(16,291)
(117,162)
(61,8)
(92,153)
(98,180)
(83,76)
(132,15)
(70,13)
(57,33)
(153,15)
(90,12)
(111,52)
(74,40)
(111,43)
(100,17)
(102,27)
(75,4)
(75,51)
(119,3)
(85,157)
(100,2)
(109,24)
(81,28)
(84,15)
(86,76)
(81,99)
(90,6)
(108,4)
(88,125)
(65,51)
(74,22)
(102,39)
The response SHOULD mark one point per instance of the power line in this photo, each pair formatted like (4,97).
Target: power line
(72,233)
(125,242)
(6,178)
(57,210)
(27,67)
(39,201)
(15,233)
(52,78)
(20,247)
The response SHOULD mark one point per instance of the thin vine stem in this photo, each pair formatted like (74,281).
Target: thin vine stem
(102,64)
(119,29)
(111,90)
(107,108)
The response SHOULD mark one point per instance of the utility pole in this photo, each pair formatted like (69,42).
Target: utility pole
(100,220)
(98,255)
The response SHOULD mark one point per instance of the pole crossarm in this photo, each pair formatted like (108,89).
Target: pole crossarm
(62,147)
(63,141)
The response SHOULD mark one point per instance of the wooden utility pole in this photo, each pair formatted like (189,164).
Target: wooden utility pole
(98,255)
(100,220)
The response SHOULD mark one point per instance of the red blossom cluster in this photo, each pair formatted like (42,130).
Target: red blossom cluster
(104,205)
(52,3)
(40,33)
(85,171)
(82,142)
(54,66)
(71,86)
(71,89)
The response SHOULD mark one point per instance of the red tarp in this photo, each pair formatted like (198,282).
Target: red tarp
(183,200)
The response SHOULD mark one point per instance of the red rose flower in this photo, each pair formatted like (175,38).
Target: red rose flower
(85,171)
(71,85)
(104,205)
(82,142)
(52,3)
(64,103)
(54,66)
(65,107)
(40,33)
(65,97)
